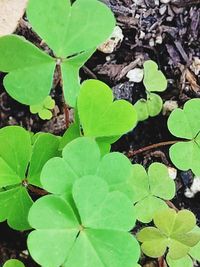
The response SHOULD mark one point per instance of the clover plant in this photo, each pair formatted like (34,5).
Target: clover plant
(80,27)
(173,231)
(185,123)
(44,108)
(94,237)
(151,189)
(13,263)
(154,81)
(20,165)
(88,199)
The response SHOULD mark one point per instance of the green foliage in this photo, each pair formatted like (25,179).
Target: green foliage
(149,107)
(13,263)
(192,254)
(20,166)
(78,30)
(154,79)
(150,190)
(100,116)
(82,157)
(185,123)
(174,231)
(96,237)
(44,108)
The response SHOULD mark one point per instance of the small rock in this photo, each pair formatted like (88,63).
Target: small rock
(135,75)
(194,189)
(169,106)
(165,1)
(172,172)
(110,45)
(151,42)
(162,9)
(159,39)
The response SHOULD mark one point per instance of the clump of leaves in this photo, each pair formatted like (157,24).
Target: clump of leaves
(97,236)
(13,263)
(151,189)
(101,117)
(78,30)
(185,123)
(154,81)
(173,231)
(44,108)
(20,165)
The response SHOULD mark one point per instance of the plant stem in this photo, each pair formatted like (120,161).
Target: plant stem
(66,111)
(171,205)
(161,262)
(132,153)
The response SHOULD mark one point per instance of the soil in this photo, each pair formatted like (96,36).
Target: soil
(166,33)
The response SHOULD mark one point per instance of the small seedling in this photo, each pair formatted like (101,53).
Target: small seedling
(173,231)
(78,30)
(13,263)
(154,81)
(149,107)
(151,189)
(185,123)
(98,236)
(20,167)
(44,108)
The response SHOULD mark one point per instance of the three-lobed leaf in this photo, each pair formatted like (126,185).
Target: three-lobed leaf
(185,123)
(174,231)
(98,237)
(151,189)
(80,28)
(20,165)
(44,108)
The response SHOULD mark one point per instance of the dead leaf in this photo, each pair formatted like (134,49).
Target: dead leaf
(189,76)
(10,13)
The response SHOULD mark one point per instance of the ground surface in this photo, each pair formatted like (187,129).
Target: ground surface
(166,33)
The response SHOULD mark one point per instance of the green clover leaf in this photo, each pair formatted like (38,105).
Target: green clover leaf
(148,108)
(30,71)
(97,238)
(192,254)
(174,231)
(20,166)
(154,79)
(13,263)
(186,124)
(82,157)
(151,189)
(44,108)
(100,117)
(78,30)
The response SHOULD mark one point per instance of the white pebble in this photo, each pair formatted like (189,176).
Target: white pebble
(135,75)
(172,173)
(169,106)
(165,1)
(194,189)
